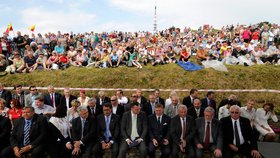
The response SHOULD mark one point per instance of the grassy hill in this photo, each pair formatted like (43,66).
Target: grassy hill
(162,77)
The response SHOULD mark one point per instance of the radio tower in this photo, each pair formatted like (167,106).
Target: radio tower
(155,19)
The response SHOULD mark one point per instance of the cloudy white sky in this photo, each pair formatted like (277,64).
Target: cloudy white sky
(132,15)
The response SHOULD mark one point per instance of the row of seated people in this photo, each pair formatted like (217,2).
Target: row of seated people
(91,135)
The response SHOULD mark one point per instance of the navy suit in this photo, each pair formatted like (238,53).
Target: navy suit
(114,128)
(159,132)
(37,136)
(48,100)
(192,112)
(205,103)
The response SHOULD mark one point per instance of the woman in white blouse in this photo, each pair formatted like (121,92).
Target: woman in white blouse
(261,121)
(72,113)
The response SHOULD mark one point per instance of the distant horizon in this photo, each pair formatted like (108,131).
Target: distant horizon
(131,16)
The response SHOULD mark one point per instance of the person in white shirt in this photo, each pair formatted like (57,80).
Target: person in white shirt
(261,121)
(122,100)
(249,111)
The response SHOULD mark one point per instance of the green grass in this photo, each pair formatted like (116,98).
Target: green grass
(162,77)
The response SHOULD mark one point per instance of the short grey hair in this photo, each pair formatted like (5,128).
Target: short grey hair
(181,106)
(82,108)
(209,109)
(92,100)
(101,93)
(235,107)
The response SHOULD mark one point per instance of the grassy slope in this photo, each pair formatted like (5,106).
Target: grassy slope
(166,76)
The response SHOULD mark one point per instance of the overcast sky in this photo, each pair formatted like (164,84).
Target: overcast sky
(132,15)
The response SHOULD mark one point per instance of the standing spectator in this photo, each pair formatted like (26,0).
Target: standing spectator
(19,95)
(52,98)
(188,101)
(20,43)
(67,98)
(209,100)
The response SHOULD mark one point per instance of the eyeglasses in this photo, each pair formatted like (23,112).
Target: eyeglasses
(234,112)
(113,100)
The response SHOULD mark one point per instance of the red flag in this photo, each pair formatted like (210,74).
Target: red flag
(9,28)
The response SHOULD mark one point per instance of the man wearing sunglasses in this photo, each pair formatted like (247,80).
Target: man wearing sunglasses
(238,135)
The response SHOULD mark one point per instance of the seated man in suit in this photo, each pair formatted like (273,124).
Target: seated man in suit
(208,134)
(159,100)
(159,132)
(134,131)
(116,107)
(108,132)
(5,130)
(101,99)
(28,135)
(196,111)
(52,98)
(238,135)
(171,110)
(93,109)
(188,101)
(134,98)
(209,100)
(84,131)
(149,107)
(67,98)
(182,132)
(43,109)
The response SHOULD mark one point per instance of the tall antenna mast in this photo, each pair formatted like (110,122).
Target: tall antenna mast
(155,18)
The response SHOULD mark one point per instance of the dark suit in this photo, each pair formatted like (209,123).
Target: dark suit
(147,108)
(160,101)
(89,134)
(7,96)
(192,112)
(105,100)
(143,101)
(20,98)
(5,130)
(115,132)
(96,111)
(126,129)
(247,133)
(188,102)
(37,136)
(56,143)
(175,133)
(159,132)
(216,134)
(120,111)
(48,100)
(63,100)
(205,104)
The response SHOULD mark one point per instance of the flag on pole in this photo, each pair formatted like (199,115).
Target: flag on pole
(32,28)
(9,28)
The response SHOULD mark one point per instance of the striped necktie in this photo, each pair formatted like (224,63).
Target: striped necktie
(26,139)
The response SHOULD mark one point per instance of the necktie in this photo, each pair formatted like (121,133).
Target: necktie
(158,120)
(92,111)
(184,129)
(26,132)
(197,112)
(52,98)
(174,111)
(153,108)
(107,132)
(134,133)
(237,139)
(207,136)
(83,126)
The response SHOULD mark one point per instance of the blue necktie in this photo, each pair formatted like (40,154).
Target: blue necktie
(107,132)
(26,133)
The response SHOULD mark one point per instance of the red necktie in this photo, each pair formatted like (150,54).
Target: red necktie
(52,99)
(184,129)
(207,136)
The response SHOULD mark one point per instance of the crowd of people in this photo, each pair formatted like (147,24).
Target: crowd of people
(65,125)
(235,45)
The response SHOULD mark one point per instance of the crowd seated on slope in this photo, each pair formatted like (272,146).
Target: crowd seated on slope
(232,45)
